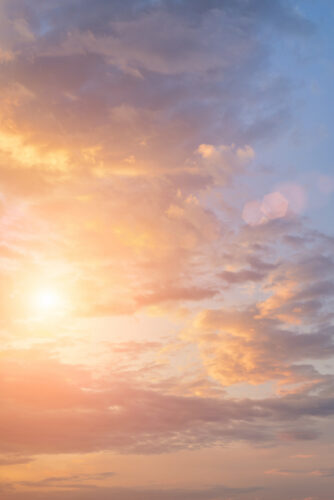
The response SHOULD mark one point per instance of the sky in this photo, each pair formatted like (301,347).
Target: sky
(167,250)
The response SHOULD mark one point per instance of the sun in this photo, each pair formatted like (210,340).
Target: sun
(47,300)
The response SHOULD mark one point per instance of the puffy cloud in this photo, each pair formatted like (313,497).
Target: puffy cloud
(239,347)
(224,162)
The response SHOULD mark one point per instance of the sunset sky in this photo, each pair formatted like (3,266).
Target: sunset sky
(167,250)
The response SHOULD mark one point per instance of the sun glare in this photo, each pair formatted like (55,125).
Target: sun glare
(47,300)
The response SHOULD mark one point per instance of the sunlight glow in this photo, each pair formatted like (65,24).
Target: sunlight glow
(47,300)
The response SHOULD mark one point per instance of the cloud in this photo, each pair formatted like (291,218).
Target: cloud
(52,407)
(212,493)
(242,276)
(236,346)
(70,481)
(176,294)
(223,162)
(294,472)
(130,134)
(5,461)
